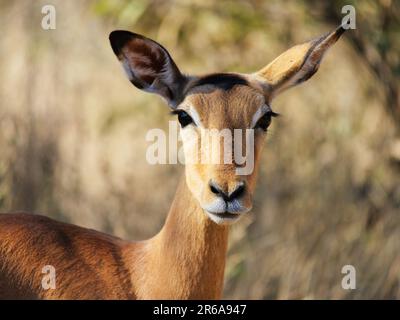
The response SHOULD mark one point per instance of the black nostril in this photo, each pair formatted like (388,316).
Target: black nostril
(218,191)
(234,195)
(214,189)
(238,192)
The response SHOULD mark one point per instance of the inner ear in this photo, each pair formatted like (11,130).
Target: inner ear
(148,65)
(297,64)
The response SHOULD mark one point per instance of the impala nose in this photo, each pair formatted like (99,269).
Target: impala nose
(224,194)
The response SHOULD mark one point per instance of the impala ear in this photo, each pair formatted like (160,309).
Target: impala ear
(148,65)
(297,64)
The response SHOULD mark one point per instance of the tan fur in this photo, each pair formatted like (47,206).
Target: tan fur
(220,109)
(186,259)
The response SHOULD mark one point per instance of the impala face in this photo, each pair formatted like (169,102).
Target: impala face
(214,108)
(225,103)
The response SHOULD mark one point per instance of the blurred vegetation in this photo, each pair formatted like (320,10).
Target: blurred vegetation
(376,40)
(72,134)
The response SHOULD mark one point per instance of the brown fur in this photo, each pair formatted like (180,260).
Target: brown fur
(94,265)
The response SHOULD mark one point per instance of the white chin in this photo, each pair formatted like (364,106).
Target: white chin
(223,218)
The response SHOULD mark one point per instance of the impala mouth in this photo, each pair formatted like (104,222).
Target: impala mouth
(223,217)
(226,215)
(222,212)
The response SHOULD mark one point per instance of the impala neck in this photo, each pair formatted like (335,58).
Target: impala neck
(187,257)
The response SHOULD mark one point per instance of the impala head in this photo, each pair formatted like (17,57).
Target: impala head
(220,102)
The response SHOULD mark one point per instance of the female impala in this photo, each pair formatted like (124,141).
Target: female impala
(186,259)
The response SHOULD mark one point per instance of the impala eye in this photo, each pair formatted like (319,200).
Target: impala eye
(183,117)
(264,122)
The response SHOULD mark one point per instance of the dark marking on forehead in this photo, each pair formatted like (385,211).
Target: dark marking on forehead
(225,81)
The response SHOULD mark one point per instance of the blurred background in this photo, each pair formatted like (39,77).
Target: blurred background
(72,134)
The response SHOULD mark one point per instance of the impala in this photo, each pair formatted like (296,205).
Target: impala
(186,259)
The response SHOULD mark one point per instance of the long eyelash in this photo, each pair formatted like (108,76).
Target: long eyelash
(273,114)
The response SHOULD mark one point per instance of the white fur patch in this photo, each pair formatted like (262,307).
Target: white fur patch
(258,114)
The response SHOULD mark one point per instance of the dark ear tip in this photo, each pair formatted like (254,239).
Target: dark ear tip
(118,39)
(340,30)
